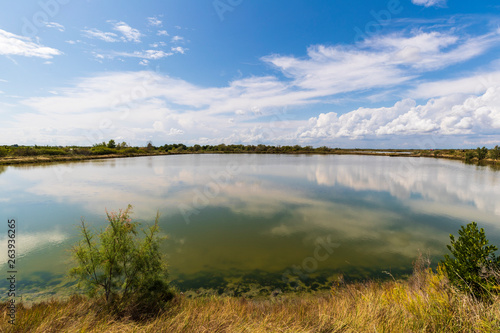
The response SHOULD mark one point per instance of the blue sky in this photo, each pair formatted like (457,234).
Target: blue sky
(358,73)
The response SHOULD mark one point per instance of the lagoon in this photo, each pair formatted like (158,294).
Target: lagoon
(238,220)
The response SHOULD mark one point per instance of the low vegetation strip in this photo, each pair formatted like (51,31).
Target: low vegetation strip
(39,154)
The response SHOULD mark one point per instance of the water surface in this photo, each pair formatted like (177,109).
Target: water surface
(285,221)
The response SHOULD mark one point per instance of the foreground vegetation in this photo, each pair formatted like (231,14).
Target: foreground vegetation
(115,266)
(424,303)
(34,154)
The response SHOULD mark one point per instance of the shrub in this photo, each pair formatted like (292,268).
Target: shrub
(495,153)
(127,270)
(82,151)
(102,150)
(4,152)
(469,155)
(481,153)
(52,151)
(25,151)
(474,268)
(129,150)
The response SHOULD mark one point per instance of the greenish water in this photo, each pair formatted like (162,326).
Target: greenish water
(234,221)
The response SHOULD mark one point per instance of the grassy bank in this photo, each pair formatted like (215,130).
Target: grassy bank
(423,303)
(11,155)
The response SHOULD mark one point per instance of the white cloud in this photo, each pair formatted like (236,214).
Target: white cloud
(474,84)
(179,49)
(177,39)
(162,33)
(175,131)
(429,3)
(109,37)
(11,44)
(55,25)
(378,62)
(147,54)
(433,50)
(154,21)
(204,113)
(129,34)
(451,115)
(158,44)
(158,126)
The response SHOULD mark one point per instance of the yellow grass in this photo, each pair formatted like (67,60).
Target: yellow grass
(424,303)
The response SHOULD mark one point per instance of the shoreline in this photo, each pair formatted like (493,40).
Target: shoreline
(46,159)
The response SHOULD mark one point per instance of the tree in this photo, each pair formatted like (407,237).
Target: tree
(128,271)
(495,153)
(111,144)
(481,153)
(474,266)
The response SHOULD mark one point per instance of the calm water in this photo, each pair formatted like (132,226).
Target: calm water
(237,220)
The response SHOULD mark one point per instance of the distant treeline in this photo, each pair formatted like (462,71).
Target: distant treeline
(114,148)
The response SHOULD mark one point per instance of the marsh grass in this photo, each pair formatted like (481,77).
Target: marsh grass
(423,303)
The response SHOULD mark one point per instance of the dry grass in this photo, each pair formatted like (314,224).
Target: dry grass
(424,303)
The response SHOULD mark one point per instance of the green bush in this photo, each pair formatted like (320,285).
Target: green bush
(52,151)
(481,153)
(495,153)
(98,150)
(129,150)
(469,155)
(82,151)
(474,267)
(4,152)
(127,270)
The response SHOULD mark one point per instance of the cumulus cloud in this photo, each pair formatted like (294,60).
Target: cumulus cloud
(175,131)
(241,110)
(154,21)
(11,44)
(451,115)
(129,34)
(179,49)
